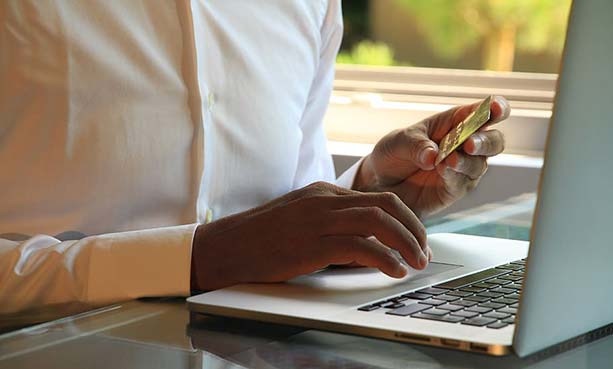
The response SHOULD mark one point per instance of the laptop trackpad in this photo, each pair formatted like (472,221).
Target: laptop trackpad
(354,279)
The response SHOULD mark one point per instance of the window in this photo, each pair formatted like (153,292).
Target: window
(402,60)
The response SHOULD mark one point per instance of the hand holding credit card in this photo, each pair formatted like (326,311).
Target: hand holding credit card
(456,137)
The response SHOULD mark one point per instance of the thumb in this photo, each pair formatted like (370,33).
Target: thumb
(426,157)
(422,150)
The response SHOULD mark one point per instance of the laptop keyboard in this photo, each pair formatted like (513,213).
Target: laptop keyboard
(485,299)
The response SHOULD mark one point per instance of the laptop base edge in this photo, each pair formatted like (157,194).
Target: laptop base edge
(434,341)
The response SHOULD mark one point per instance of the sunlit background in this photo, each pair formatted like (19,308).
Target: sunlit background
(498,35)
(404,60)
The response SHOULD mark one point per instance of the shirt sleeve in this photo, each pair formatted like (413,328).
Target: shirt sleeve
(43,271)
(315,161)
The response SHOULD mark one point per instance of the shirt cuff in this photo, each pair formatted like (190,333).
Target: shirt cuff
(153,262)
(348,177)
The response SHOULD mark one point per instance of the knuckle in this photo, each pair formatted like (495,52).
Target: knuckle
(480,163)
(318,189)
(389,198)
(374,213)
(472,184)
(388,256)
(318,186)
(354,245)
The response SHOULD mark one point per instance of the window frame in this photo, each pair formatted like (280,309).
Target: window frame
(369,101)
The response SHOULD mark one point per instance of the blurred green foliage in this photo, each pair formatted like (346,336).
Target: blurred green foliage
(501,26)
(368,53)
(495,28)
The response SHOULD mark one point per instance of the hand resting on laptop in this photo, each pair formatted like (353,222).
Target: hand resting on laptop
(322,224)
(307,230)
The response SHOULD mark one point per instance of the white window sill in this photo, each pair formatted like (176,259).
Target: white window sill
(369,102)
(354,151)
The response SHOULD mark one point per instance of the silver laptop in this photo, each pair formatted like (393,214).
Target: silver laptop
(483,294)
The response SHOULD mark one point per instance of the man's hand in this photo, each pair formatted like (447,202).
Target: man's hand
(307,230)
(403,161)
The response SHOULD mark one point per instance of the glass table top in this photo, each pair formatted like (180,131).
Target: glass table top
(154,333)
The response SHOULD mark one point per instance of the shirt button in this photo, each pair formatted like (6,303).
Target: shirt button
(210,101)
(208,218)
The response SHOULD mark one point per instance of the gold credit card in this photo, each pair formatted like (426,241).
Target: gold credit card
(464,129)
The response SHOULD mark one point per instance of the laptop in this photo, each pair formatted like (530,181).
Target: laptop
(481,294)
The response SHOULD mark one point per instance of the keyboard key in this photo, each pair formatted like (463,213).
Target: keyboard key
(479,321)
(514,286)
(515,305)
(451,307)
(473,289)
(499,281)
(396,305)
(519,262)
(477,298)
(433,291)
(386,304)
(511,277)
(513,296)
(459,293)
(433,302)
(483,285)
(497,325)
(446,318)
(472,278)
(369,308)
(465,303)
(447,298)
(503,290)
(491,295)
(400,298)
(510,267)
(417,296)
(435,311)
(408,310)
(496,315)
(465,314)
(478,309)
(505,301)
(508,310)
(509,320)
(492,305)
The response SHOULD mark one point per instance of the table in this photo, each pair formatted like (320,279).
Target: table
(154,333)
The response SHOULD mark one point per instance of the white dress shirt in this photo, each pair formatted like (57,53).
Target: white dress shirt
(130,122)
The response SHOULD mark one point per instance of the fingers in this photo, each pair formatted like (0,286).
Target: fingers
(500,109)
(474,167)
(456,184)
(485,143)
(390,203)
(414,145)
(363,251)
(439,125)
(374,221)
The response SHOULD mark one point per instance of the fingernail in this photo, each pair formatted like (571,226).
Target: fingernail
(477,143)
(430,253)
(423,260)
(425,153)
(401,270)
(504,105)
